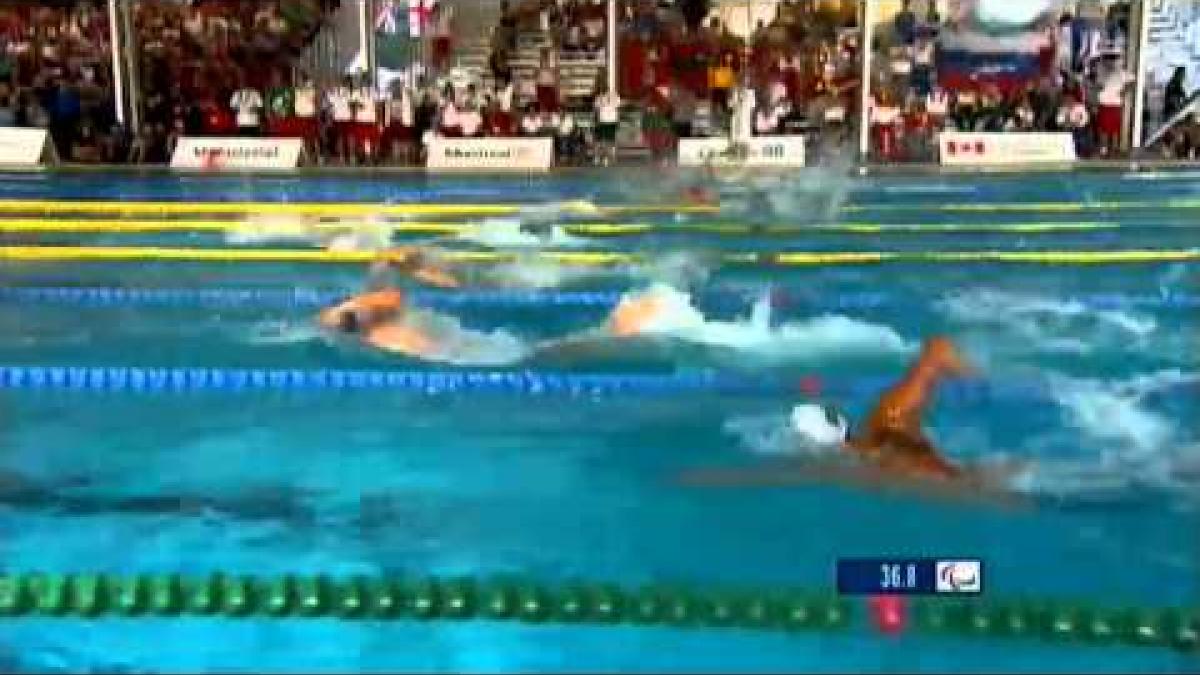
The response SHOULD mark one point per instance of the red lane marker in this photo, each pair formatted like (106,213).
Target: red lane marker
(888,613)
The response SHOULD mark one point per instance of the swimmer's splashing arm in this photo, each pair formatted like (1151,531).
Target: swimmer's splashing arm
(412,262)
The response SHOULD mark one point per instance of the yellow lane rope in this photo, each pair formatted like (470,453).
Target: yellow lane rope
(1029,207)
(95,253)
(86,225)
(327,209)
(577,207)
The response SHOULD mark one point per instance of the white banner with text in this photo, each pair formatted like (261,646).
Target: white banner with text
(1005,149)
(237,154)
(757,151)
(490,154)
(26,147)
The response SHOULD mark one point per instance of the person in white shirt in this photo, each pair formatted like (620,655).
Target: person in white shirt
(608,117)
(765,121)
(505,96)
(884,116)
(364,101)
(1110,102)
(470,122)
(306,110)
(531,122)
(338,99)
(449,123)
(247,104)
(743,104)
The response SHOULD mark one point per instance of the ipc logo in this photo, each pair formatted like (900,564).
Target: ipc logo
(959,576)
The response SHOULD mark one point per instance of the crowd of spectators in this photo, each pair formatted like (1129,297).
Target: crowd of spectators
(1081,87)
(55,72)
(220,67)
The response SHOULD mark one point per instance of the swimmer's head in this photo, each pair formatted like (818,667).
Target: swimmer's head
(349,322)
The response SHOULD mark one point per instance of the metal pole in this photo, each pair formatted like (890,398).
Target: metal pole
(365,33)
(118,72)
(864,112)
(1139,88)
(132,67)
(612,46)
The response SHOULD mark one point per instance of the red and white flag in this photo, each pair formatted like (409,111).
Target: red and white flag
(420,14)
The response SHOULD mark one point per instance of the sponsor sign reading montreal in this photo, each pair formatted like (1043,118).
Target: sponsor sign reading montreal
(758,151)
(507,154)
(237,153)
(1005,149)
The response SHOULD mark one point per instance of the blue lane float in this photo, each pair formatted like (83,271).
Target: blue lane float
(98,296)
(435,383)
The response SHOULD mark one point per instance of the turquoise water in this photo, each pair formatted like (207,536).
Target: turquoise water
(479,484)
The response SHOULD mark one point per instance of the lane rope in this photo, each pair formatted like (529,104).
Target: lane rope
(152,380)
(597,258)
(298,298)
(299,596)
(1028,207)
(47,206)
(86,225)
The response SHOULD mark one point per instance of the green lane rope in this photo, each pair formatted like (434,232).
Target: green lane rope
(374,598)
(233,596)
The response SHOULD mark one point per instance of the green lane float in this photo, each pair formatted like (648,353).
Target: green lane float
(234,597)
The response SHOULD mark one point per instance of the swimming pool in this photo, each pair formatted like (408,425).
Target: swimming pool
(1091,372)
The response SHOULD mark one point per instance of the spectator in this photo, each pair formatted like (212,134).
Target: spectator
(247,104)
(400,121)
(443,30)
(306,110)
(531,122)
(497,121)
(884,118)
(281,107)
(608,111)
(1175,95)
(1111,101)
(906,24)
(338,100)
(547,83)
(1073,117)
(721,81)
(470,121)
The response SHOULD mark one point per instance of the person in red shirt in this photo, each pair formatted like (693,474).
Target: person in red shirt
(498,123)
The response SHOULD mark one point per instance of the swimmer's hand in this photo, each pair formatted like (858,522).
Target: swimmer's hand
(436,276)
(330,318)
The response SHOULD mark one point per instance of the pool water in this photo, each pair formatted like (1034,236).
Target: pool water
(1094,366)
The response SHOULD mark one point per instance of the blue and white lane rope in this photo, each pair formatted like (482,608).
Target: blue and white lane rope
(524,383)
(98,296)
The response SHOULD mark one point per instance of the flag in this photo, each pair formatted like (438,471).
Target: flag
(967,59)
(420,12)
(385,17)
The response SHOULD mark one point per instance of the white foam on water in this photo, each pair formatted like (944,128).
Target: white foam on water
(509,233)
(1047,324)
(462,346)
(343,234)
(820,338)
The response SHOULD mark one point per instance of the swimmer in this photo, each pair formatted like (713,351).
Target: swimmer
(412,262)
(892,437)
(892,443)
(377,319)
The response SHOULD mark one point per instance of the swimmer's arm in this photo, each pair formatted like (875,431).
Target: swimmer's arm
(435,276)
